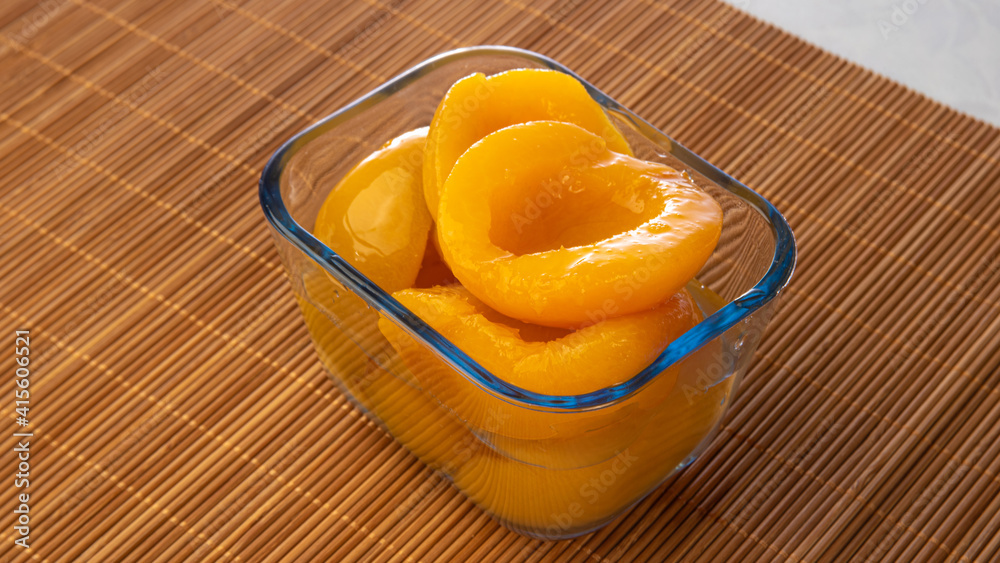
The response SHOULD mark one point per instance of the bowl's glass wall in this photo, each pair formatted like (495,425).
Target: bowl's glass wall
(550,473)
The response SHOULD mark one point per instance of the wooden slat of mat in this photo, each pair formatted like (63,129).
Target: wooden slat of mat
(180,415)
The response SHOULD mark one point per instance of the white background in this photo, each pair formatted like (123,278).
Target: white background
(948,50)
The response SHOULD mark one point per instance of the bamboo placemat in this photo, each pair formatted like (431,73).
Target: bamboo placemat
(178,411)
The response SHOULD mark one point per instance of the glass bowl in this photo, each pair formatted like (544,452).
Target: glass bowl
(546,466)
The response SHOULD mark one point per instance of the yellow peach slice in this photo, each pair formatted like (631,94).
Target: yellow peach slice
(478,105)
(546,225)
(376,217)
(542,360)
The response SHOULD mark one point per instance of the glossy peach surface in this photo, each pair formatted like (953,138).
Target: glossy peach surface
(376,217)
(520,228)
(547,225)
(478,105)
(542,360)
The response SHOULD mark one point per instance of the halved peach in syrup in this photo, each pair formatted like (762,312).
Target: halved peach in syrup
(478,105)
(543,360)
(545,499)
(376,219)
(546,225)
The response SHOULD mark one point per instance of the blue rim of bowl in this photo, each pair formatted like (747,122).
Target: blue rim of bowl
(775,279)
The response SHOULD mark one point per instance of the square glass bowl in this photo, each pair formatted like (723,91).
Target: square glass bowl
(544,465)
